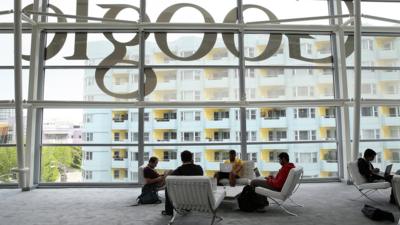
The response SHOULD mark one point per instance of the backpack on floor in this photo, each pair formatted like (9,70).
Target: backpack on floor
(250,201)
(149,195)
(377,214)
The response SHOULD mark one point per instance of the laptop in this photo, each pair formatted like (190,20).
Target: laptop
(387,170)
(257,172)
(225,167)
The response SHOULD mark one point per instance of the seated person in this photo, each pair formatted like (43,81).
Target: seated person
(370,173)
(237,166)
(150,174)
(276,183)
(188,168)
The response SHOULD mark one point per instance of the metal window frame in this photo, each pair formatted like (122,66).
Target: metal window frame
(337,29)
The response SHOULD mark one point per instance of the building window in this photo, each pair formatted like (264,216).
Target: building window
(388,45)
(88,118)
(221,156)
(395,155)
(190,116)
(305,135)
(303,91)
(252,156)
(135,116)
(306,157)
(304,113)
(250,73)
(273,155)
(277,135)
(394,112)
(169,155)
(221,115)
(88,136)
(368,89)
(395,132)
(190,75)
(116,174)
(330,112)
(88,175)
(135,156)
(370,134)
(197,157)
(88,155)
(369,111)
(190,136)
(367,44)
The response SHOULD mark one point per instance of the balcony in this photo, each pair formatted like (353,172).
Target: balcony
(272,80)
(389,76)
(328,122)
(325,79)
(217,140)
(218,83)
(391,121)
(169,85)
(222,123)
(274,122)
(387,54)
(119,179)
(119,124)
(165,123)
(120,141)
(119,163)
(329,165)
(331,145)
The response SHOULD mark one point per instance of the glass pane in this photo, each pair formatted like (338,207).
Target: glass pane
(216,11)
(7,126)
(286,10)
(80,85)
(97,8)
(195,84)
(64,49)
(9,5)
(317,160)
(379,9)
(189,49)
(7,90)
(277,124)
(376,84)
(89,126)
(378,51)
(8,161)
(288,84)
(387,153)
(7,48)
(191,125)
(208,157)
(288,49)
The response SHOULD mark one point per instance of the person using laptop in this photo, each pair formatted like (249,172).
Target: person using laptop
(370,173)
(276,183)
(231,169)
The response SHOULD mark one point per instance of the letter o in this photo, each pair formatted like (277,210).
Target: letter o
(271,47)
(59,37)
(207,43)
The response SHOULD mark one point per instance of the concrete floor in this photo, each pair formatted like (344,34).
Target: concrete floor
(327,203)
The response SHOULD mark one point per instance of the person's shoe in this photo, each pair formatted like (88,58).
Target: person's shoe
(165,213)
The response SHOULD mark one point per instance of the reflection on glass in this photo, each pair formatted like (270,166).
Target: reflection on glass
(388,152)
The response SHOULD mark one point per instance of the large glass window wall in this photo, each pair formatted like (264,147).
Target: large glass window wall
(109,93)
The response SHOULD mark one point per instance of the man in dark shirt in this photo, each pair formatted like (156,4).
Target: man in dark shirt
(368,171)
(150,174)
(188,168)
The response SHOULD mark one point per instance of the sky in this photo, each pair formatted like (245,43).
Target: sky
(72,90)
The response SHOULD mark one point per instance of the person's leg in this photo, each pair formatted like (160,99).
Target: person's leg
(232,179)
(220,176)
(261,183)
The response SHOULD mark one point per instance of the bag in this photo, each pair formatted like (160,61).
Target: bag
(149,195)
(250,201)
(377,214)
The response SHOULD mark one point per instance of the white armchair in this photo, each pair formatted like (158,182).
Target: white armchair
(193,193)
(247,174)
(361,183)
(291,185)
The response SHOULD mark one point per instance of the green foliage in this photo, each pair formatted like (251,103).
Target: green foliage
(55,159)
(8,160)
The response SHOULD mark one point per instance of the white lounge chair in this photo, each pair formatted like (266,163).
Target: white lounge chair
(361,184)
(291,185)
(193,193)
